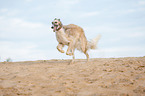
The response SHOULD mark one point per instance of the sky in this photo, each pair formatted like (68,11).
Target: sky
(26,34)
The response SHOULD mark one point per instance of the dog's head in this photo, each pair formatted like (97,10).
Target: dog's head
(56,24)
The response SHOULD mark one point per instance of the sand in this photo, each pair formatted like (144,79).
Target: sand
(98,77)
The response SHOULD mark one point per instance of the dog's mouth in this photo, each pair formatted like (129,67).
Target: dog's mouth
(55,27)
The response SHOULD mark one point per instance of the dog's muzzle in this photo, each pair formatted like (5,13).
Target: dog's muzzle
(54,27)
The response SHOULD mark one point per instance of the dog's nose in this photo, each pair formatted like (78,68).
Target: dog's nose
(52,27)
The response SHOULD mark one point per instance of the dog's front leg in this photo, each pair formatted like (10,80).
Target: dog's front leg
(70,47)
(59,47)
(70,51)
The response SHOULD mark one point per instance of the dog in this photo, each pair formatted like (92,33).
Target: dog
(74,37)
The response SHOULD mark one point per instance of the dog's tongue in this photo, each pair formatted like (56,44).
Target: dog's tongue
(54,29)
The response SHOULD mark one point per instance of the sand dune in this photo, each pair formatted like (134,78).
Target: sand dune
(98,77)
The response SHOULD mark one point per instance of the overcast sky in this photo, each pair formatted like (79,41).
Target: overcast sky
(25,32)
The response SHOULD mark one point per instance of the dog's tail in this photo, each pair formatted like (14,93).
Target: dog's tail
(93,43)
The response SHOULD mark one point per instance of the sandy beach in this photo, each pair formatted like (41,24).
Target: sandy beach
(98,77)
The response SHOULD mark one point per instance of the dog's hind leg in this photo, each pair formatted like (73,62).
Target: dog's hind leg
(59,48)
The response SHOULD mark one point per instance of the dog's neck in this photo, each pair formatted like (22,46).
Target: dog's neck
(62,37)
(61,30)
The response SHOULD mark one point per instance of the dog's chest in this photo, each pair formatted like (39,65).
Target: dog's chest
(62,37)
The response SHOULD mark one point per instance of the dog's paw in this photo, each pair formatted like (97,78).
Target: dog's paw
(62,51)
(70,54)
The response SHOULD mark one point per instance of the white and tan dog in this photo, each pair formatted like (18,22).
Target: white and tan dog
(74,37)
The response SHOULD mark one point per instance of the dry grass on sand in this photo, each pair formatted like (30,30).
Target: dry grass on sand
(98,77)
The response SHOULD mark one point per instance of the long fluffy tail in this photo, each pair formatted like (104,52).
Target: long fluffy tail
(93,43)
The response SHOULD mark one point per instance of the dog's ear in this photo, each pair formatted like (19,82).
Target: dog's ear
(58,19)
(55,19)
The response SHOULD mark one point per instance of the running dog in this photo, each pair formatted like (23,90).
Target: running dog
(74,37)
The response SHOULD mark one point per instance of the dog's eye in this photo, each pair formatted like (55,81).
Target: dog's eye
(52,22)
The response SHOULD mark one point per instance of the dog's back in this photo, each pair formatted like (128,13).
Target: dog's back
(77,33)
(73,30)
